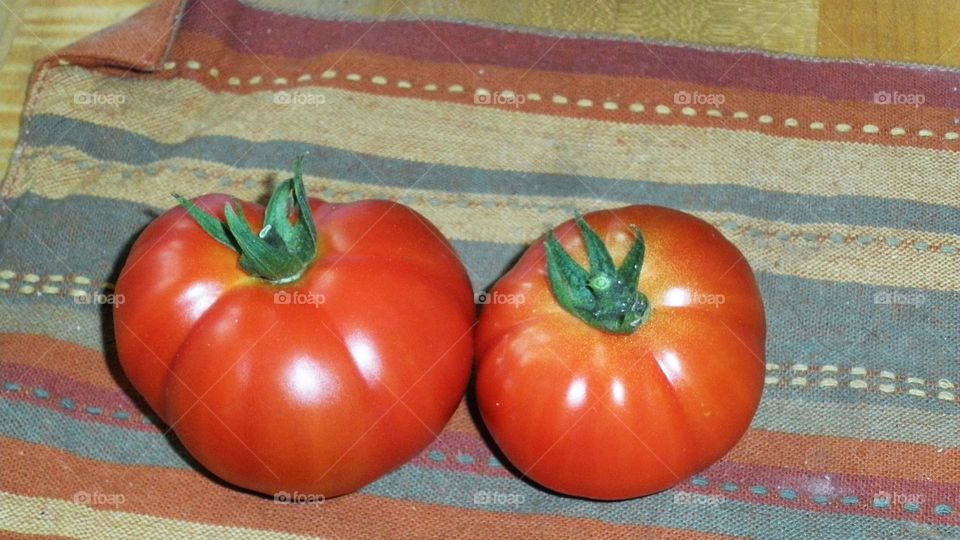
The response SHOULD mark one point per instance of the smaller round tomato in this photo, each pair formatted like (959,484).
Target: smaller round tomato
(611,380)
(313,356)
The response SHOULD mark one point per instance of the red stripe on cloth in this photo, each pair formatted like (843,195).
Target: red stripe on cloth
(268,33)
(66,358)
(77,399)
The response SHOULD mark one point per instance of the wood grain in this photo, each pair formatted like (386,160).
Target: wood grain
(919,31)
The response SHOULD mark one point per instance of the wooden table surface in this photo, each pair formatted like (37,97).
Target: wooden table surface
(919,31)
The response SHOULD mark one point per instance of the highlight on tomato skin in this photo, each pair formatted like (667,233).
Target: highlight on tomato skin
(635,360)
(303,347)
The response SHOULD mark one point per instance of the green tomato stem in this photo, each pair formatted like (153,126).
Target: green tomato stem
(605,297)
(282,250)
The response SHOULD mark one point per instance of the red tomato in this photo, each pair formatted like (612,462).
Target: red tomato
(341,366)
(597,387)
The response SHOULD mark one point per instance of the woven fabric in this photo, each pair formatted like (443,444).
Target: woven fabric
(839,181)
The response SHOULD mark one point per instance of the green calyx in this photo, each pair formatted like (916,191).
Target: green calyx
(605,297)
(283,249)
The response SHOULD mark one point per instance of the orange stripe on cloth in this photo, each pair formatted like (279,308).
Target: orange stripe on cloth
(839,455)
(139,42)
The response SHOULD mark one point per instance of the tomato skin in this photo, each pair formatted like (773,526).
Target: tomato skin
(610,416)
(319,395)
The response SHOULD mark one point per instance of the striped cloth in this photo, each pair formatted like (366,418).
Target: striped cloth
(839,181)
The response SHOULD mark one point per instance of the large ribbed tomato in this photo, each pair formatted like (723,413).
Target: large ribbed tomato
(612,380)
(311,357)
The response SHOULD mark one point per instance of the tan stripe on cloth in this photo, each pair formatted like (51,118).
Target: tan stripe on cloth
(38,515)
(433,132)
